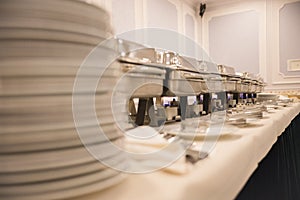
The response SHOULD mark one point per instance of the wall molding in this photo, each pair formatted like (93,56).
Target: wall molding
(178,6)
(276,77)
(286,83)
(139,13)
(269,63)
(288,76)
(239,7)
(187,10)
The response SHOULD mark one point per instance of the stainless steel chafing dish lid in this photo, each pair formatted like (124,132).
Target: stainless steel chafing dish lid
(226,70)
(185,71)
(154,57)
(146,55)
(142,69)
(214,76)
(248,77)
(244,77)
(183,74)
(200,66)
(147,80)
(229,73)
(186,79)
(140,56)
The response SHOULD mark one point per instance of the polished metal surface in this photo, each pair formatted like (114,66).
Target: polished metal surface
(189,76)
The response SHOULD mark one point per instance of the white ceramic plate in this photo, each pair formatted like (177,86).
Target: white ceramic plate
(79,190)
(25,104)
(56,134)
(212,132)
(34,123)
(51,35)
(57,185)
(244,121)
(45,85)
(10,163)
(60,66)
(63,172)
(57,11)
(28,146)
(48,115)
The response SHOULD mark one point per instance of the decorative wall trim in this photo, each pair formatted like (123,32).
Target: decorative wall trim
(178,5)
(288,77)
(187,10)
(275,77)
(239,7)
(289,62)
(286,83)
(145,13)
(268,36)
(139,10)
(283,88)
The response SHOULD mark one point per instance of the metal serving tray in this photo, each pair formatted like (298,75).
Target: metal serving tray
(146,81)
(183,83)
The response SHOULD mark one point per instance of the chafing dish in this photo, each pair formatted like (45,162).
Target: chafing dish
(226,70)
(140,77)
(230,80)
(252,82)
(215,82)
(145,55)
(260,85)
(141,80)
(238,84)
(184,83)
(252,88)
(169,58)
(255,83)
(154,56)
(184,77)
(245,83)
(233,84)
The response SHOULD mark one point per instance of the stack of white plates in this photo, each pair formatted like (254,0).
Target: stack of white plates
(42,45)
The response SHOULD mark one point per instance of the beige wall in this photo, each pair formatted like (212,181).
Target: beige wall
(268,11)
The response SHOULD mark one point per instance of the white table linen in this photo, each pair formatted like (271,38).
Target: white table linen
(220,176)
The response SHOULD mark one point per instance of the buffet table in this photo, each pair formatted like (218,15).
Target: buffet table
(278,174)
(222,175)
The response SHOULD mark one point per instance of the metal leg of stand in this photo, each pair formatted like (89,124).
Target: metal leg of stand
(223,97)
(150,110)
(140,116)
(183,105)
(206,102)
(236,97)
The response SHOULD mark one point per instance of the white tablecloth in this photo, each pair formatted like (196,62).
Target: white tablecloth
(220,176)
